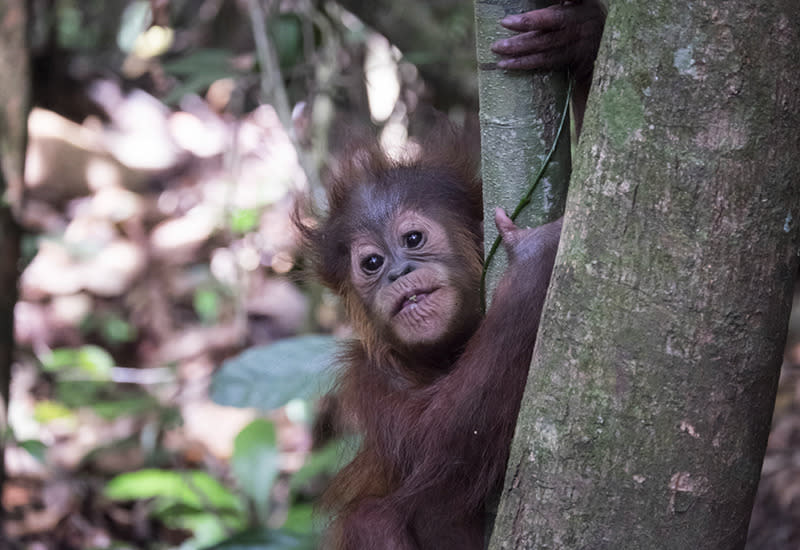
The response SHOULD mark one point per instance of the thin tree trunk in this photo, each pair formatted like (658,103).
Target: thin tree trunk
(648,408)
(519,115)
(13,119)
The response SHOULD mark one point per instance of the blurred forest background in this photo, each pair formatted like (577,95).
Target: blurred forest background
(167,145)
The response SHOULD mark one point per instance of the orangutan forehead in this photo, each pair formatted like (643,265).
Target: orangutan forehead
(375,202)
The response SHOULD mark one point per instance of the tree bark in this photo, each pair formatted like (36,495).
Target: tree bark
(651,390)
(13,119)
(519,116)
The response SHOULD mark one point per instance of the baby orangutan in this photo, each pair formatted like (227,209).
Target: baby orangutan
(433,386)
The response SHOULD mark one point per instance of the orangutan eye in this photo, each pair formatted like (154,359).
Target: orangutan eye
(372,263)
(413,239)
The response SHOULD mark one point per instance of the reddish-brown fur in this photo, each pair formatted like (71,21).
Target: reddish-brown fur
(436,420)
(436,425)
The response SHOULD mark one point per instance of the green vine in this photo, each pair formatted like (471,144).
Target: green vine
(526,198)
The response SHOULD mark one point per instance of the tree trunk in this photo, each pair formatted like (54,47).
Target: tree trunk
(519,115)
(651,390)
(13,119)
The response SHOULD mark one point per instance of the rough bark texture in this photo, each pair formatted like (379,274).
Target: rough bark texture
(649,403)
(519,117)
(13,117)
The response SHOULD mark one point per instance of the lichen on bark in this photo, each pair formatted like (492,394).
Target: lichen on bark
(651,389)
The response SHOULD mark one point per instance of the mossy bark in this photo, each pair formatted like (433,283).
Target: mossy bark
(651,390)
(519,117)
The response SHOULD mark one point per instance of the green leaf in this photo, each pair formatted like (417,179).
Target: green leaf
(268,377)
(198,71)
(73,26)
(130,406)
(134,21)
(244,220)
(207,305)
(77,393)
(47,411)
(325,462)
(191,488)
(194,84)
(117,330)
(207,527)
(92,362)
(255,463)
(286,31)
(203,61)
(35,448)
(267,539)
(300,519)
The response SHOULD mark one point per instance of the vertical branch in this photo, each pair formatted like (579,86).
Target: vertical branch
(14,97)
(525,200)
(274,92)
(519,117)
(272,89)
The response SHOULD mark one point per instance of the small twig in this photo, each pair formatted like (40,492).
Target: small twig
(272,87)
(271,77)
